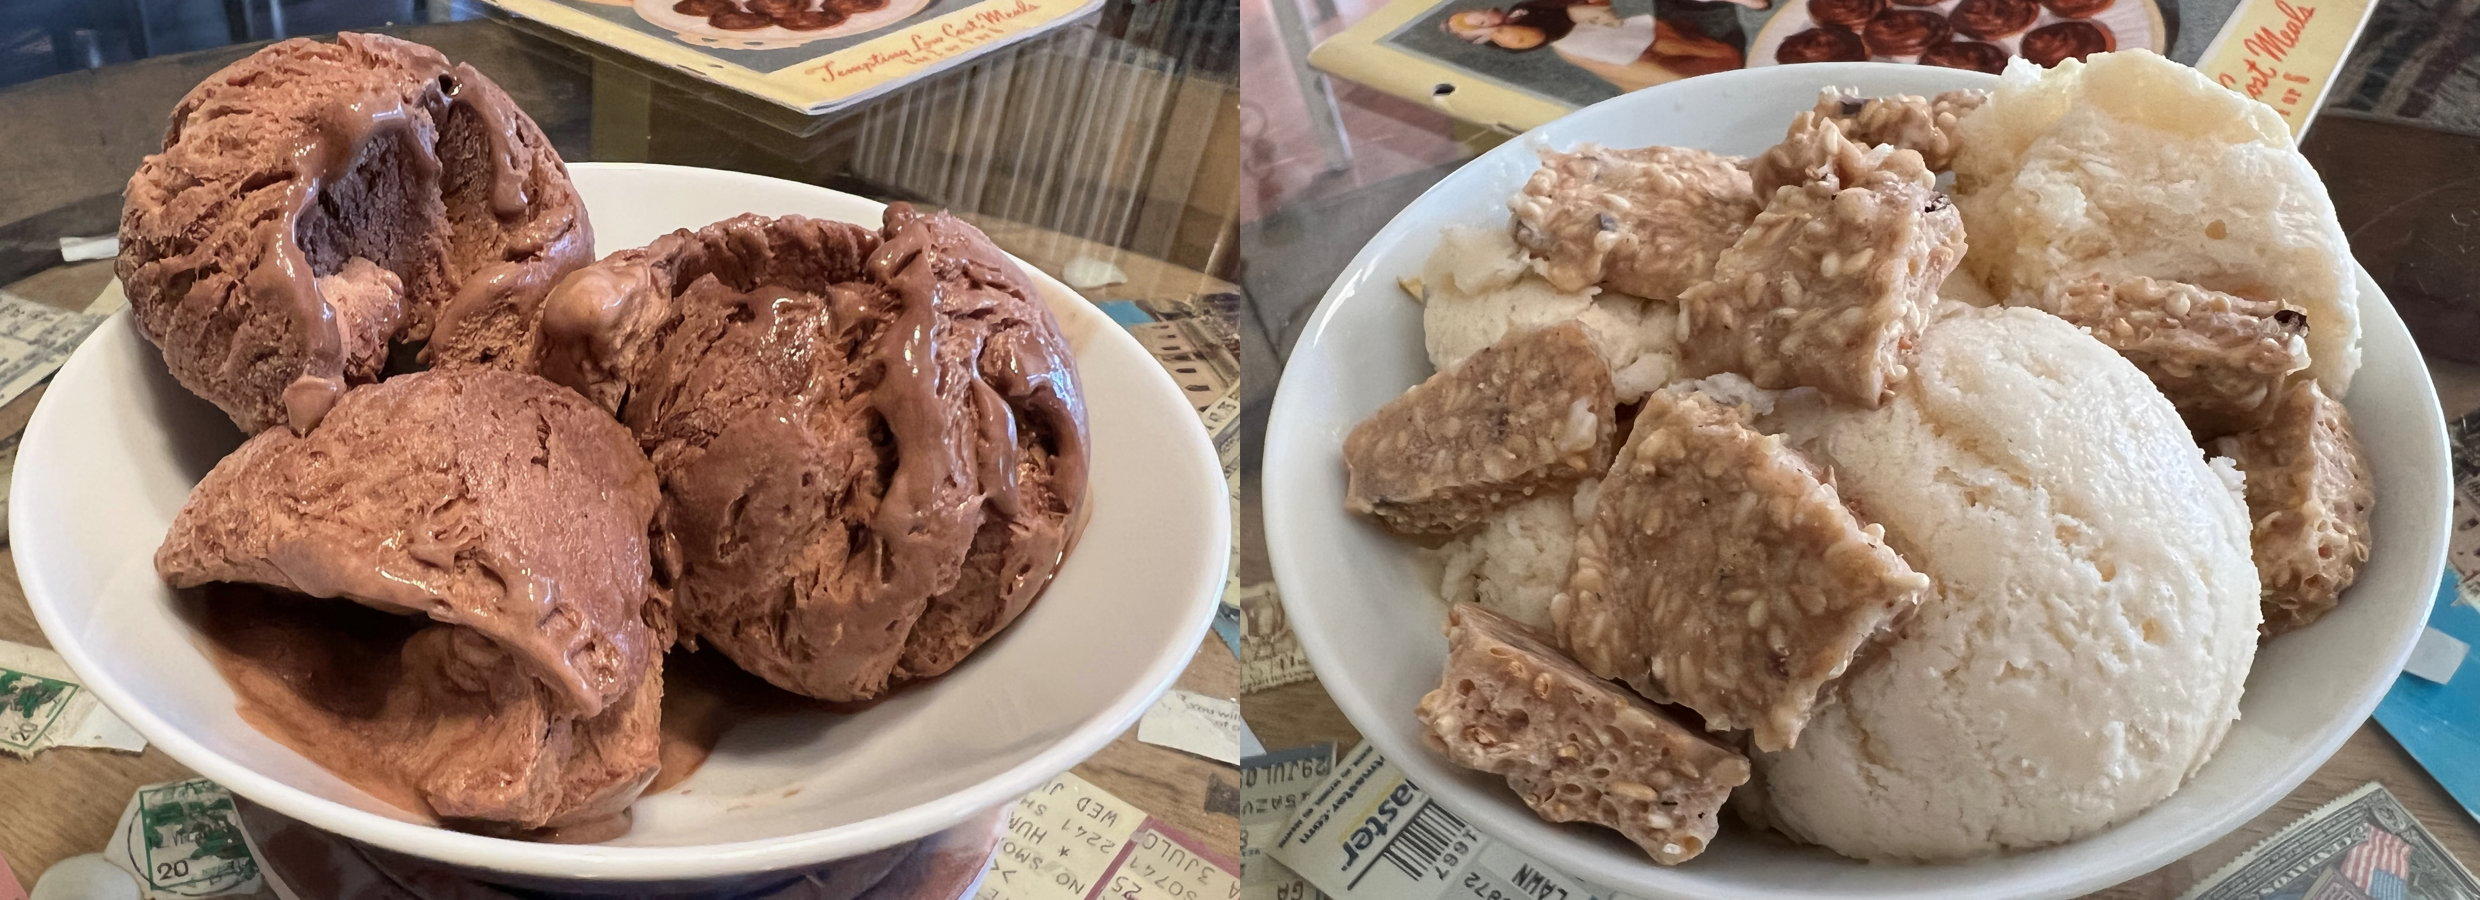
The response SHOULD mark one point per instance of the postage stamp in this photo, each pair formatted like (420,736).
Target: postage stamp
(2363,844)
(43,706)
(184,839)
(30,705)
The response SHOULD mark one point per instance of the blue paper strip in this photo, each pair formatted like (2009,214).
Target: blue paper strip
(2440,723)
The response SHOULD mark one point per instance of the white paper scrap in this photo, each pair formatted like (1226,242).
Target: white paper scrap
(2436,656)
(81,249)
(1086,272)
(1191,722)
(42,705)
(1272,785)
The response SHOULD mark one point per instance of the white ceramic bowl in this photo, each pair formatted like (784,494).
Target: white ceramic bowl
(116,446)
(1367,612)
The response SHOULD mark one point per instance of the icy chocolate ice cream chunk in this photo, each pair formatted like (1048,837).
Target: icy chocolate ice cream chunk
(2224,361)
(508,511)
(1531,412)
(1723,572)
(1575,747)
(872,445)
(315,203)
(2310,495)
(1827,289)
(1924,125)
(1647,222)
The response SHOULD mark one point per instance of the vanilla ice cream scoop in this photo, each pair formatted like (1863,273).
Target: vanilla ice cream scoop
(2093,614)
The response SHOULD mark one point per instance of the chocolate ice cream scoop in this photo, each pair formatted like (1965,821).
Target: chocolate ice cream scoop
(597,323)
(404,710)
(316,202)
(493,501)
(872,446)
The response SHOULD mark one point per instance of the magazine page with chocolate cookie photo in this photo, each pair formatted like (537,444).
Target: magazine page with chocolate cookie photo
(1513,65)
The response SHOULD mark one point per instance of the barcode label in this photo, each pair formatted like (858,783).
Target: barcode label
(1429,836)
(1368,831)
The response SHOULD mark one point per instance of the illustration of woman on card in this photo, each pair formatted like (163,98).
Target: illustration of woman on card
(1681,38)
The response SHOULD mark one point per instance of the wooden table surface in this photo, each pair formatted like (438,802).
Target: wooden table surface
(65,801)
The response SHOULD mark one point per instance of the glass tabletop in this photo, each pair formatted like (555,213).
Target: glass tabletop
(1105,140)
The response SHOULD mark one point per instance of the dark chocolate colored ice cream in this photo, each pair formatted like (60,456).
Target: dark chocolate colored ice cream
(507,510)
(872,446)
(315,203)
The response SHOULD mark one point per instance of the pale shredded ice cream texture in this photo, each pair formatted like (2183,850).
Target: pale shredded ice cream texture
(2127,164)
(2094,611)
(1518,559)
(1478,287)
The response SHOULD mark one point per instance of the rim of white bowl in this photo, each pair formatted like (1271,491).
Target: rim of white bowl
(593,862)
(1288,445)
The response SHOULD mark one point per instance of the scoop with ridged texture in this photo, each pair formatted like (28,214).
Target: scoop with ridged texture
(315,203)
(872,446)
(504,508)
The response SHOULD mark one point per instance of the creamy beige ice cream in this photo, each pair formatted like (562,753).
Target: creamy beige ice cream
(316,203)
(1478,287)
(509,512)
(1516,560)
(2127,164)
(2093,614)
(2143,246)
(872,445)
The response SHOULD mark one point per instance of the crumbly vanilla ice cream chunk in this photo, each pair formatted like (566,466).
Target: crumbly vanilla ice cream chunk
(1477,286)
(1518,559)
(1962,287)
(2093,615)
(2128,164)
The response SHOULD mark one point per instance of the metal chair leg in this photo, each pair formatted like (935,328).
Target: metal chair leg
(1317,98)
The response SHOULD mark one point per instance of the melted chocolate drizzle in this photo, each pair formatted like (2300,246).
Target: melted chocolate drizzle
(341,136)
